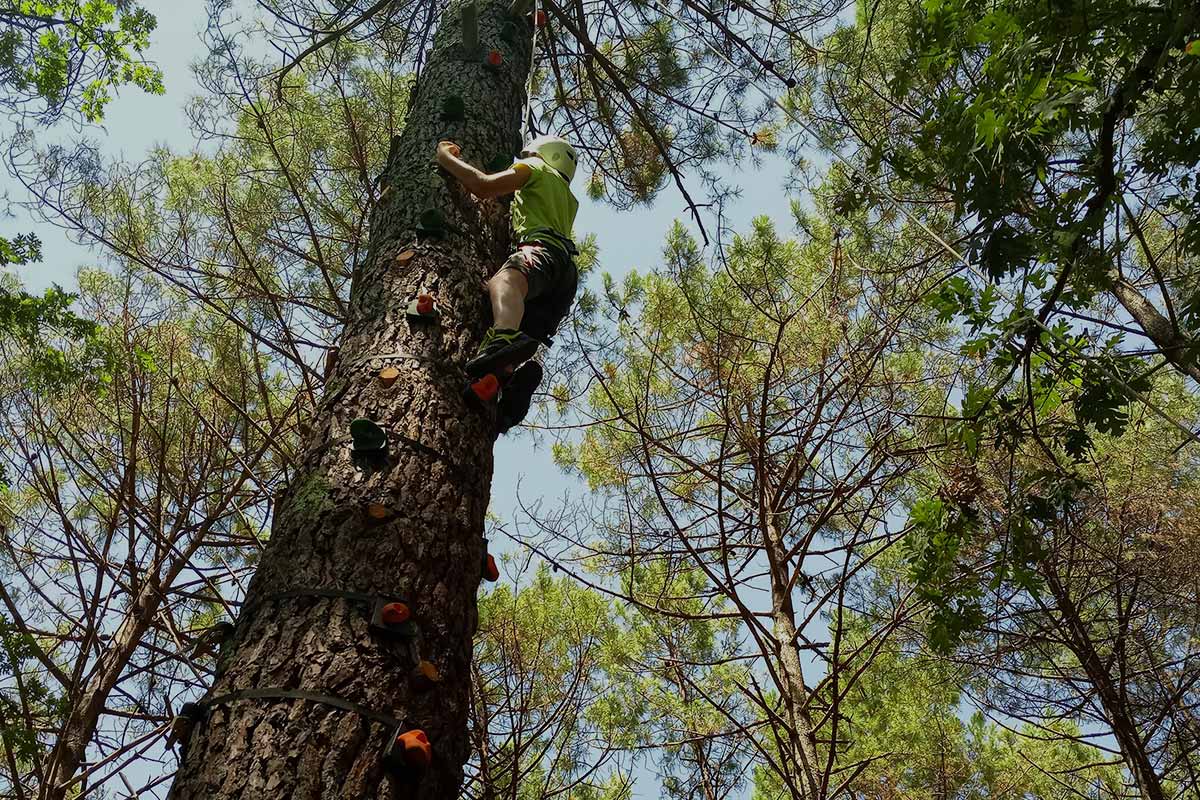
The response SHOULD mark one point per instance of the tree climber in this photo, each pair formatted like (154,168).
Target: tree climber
(533,290)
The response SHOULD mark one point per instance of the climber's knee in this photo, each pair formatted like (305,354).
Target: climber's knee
(509,280)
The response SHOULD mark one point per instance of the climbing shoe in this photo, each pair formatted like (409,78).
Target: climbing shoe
(501,348)
(517,395)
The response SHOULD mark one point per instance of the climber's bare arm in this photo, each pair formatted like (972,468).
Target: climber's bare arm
(479,183)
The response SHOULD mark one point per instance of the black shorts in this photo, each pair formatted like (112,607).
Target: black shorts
(553,281)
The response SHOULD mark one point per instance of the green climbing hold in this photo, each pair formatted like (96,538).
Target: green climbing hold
(500,163)
(509,31)
(368,437)
(432,223)
(453,109)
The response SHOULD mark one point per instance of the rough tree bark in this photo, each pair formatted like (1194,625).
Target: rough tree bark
(435,483)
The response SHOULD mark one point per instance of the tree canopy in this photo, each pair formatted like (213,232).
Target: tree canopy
(888,493)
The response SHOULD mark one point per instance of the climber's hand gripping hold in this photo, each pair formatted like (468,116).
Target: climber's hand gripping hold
(480,184)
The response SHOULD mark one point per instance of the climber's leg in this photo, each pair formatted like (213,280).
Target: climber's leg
(507,289)
(505,344)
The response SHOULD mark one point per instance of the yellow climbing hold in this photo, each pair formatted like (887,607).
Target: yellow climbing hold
(388,376)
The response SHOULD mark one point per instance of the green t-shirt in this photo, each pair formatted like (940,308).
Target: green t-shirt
(543,210)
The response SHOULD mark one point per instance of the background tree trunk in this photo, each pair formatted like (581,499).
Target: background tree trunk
(88,706)
(435,482)
(1110,694)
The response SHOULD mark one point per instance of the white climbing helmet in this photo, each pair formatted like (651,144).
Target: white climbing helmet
(556,152)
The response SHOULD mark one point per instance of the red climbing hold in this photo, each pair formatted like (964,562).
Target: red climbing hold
(490,570)
(423,307)
(378,511)
(395,614)
(486,388)
(493,59)
(539,19)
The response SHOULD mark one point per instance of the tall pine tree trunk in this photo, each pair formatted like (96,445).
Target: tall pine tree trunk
(803,759)
(435,484)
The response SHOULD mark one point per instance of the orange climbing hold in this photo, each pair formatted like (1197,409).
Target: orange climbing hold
(415,748)
(406,257)
(378,511)
(395,614)
(430,672)
(425,676)
(388,376)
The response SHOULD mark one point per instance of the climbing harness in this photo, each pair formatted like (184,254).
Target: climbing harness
(556,240)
